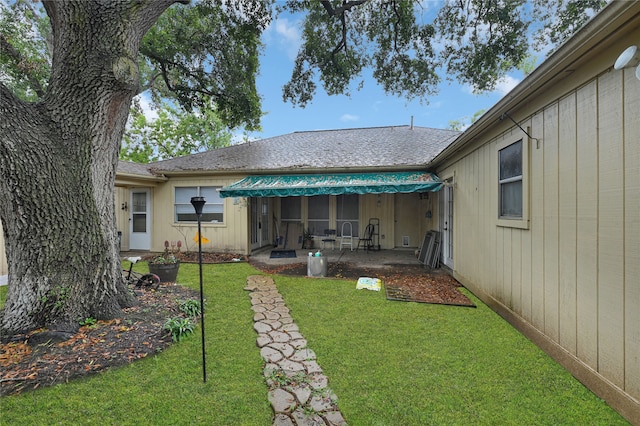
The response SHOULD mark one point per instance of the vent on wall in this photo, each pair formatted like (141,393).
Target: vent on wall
(405,241)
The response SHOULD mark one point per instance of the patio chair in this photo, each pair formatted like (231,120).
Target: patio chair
(329,237)
(367,238)
(346,235)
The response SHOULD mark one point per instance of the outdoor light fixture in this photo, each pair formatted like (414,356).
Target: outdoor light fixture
(198,203)
(629,58)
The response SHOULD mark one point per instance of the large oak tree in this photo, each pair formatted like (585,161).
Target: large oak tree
(65,97)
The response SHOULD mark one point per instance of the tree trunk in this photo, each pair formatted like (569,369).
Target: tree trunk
(58,161)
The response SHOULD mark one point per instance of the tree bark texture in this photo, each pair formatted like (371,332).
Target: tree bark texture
(58,159)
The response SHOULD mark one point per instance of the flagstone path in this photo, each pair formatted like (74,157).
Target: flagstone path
(298,389)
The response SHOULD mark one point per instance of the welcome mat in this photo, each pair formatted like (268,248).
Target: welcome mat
(282,254)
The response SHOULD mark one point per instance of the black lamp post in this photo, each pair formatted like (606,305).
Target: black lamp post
(198,204)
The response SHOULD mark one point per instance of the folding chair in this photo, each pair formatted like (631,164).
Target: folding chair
(329,237)
(346,235)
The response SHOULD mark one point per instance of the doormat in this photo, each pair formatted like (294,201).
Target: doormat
(281,254)
(426,290)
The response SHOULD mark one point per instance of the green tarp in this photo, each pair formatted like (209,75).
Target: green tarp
(332,184)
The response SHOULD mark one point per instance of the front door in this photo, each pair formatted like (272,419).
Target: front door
(259,222)
(140,220)
(447,224)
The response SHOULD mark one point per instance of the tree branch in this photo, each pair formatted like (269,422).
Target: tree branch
(22,64)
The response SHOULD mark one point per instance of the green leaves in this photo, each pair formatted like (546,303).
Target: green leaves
(174,133)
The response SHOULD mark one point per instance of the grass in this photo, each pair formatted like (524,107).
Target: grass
(390,363)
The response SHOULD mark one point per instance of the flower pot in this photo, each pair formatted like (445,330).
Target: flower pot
(166,271)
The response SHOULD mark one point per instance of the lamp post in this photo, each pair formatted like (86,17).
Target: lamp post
(198,204)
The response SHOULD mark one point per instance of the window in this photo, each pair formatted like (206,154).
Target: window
(318,214)
(291,209)
(512,184)
(510,181)
(213,210)
(348,210)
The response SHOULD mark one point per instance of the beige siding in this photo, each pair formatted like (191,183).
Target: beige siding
(230,236)
(632,233)
(122,216)
(573,274)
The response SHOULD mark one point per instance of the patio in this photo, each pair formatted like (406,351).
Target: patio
(361,258)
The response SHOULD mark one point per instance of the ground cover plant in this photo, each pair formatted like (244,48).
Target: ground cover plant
(388,362)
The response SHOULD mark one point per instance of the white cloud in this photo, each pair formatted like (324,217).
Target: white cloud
(289,36)
(349,117)
(506,84)
(503,86)
(147,109)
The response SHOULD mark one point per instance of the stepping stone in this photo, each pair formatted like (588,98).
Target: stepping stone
(304,355)
(303,419)
(262,328)
(263,340)
(299,343)
(285,349)
(270,355)
(302,393)
(312,367)
(319,381)
(290,368)
(291,328)
(282,401)
(279,337)
(259,316)
(319,403)
(273,316)
(334,418)
(282,420)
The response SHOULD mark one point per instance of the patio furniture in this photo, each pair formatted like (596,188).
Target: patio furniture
(367,238)
(329,237)
(346,235)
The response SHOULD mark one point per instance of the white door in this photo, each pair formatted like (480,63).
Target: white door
(447,225)
(259,222)
(140,220)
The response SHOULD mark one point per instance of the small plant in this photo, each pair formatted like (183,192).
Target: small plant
(89,322)
(178,327)
(190,308)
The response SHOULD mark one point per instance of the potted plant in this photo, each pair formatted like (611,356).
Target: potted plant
(307,239)
(165,265)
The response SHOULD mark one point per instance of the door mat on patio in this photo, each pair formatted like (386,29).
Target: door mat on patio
(281,254)
(426,290)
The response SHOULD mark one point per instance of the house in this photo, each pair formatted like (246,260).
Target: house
(538,201)
(545,194)
(320,179)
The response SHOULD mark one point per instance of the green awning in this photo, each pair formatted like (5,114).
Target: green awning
(332,184)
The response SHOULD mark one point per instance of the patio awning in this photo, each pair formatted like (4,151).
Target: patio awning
(332,184)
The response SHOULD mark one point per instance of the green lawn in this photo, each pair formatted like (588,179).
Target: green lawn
(390,363)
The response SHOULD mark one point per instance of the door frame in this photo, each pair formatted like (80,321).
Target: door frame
(446,222)
(138,240)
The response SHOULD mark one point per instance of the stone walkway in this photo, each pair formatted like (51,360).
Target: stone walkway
(298,390)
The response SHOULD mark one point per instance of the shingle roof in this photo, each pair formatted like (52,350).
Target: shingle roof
(396,147)
(130,168)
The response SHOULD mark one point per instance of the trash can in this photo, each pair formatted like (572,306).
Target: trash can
(317,266)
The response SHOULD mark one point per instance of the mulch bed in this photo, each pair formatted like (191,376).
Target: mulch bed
(408,283)
(26,365)
(138,333)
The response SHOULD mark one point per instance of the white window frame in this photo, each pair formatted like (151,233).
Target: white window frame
(218,206)
(521,222)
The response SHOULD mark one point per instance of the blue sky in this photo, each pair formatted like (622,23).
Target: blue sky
(368,107)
